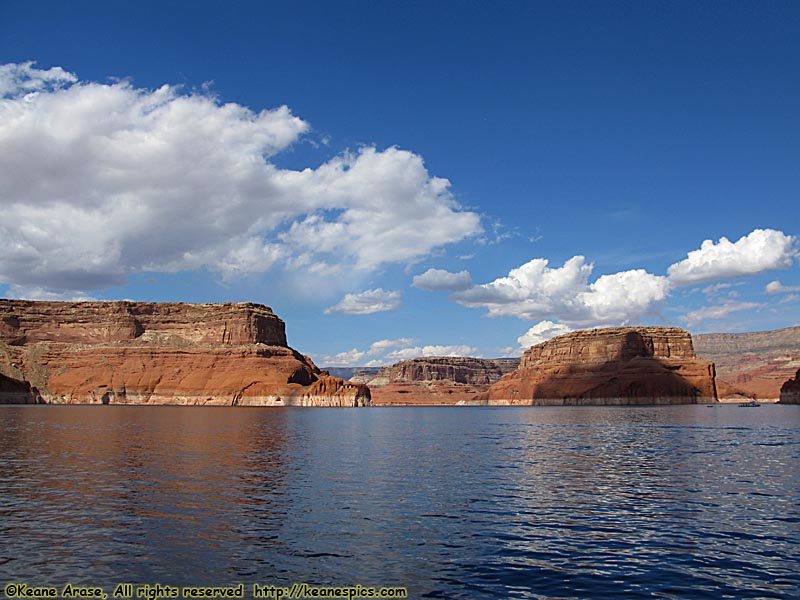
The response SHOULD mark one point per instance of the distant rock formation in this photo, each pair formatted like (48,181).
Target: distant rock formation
(158,353)
(473,371)
(790,390)
(436,379)
(614,366)
(751,364)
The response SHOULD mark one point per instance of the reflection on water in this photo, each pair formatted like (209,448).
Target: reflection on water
(450,502)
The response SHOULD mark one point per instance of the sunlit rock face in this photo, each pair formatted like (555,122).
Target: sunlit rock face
(158,353)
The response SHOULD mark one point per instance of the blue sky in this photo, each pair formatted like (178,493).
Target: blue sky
(405,178)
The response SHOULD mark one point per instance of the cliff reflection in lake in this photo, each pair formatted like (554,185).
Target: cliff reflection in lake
(680,501)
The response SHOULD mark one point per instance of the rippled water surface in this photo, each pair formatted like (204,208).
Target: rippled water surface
(671,502)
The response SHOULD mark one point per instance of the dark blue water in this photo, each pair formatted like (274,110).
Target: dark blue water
(466,502)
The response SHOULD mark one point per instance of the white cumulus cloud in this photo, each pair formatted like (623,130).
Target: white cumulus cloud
(367,302)
(541,332)
(98,181)
(566,297)
(358,358)
(759,251)
(534,291)
(384,352)
(439,279)
(417,351)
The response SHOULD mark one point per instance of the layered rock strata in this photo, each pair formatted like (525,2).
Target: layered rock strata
(790,390)
(437,379)
(614,366)
(751,365)
(158,353)
(473,371)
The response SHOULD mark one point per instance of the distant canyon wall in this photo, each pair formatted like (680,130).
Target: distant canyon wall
(435,379)
(752,364)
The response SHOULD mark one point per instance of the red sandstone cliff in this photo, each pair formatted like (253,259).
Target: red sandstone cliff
(158,353)
(790,390)
(619,365)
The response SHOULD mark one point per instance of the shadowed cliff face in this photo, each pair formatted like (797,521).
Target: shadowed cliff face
(152,353)
(14,391)
(790,391)
(648,365)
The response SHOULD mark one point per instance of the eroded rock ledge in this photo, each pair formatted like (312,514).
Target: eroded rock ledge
(158,353)
(613,366)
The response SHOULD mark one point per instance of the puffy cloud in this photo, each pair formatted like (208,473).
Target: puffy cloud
(98,181)
(759,251)
(417,351)
(439,279)
(387,208)
(776,287)
(625,296)
(382,346)
(381,353)
(356,357)
(348,358)
(535,291)
(367,302)
(541,332)
(717,312)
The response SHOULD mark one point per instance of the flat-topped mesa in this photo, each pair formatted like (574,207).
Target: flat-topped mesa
(612,344)
(474,371)
(152,353)
(233,324)
(790,391)
(617,365)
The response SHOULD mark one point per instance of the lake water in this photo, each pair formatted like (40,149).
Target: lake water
(449,502)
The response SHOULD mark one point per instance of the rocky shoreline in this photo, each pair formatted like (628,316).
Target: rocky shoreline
(236,354)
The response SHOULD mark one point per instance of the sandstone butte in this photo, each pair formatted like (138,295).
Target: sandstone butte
(790,390)
(436,379)
(158,353)
(614,366)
